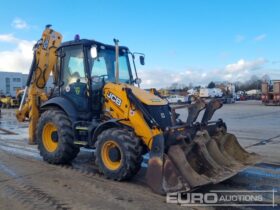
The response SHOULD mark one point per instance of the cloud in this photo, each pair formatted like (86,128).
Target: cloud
(241,70)
(243,65)
(7,38)
(239,38)
(260,37)
(19,23)
(161,78)
(19,58)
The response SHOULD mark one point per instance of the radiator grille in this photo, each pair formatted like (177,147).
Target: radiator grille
(161,114)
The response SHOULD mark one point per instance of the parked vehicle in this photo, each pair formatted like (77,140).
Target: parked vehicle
(271,93)
(176,99)
(210,93)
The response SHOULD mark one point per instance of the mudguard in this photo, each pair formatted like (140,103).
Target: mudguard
(64,105)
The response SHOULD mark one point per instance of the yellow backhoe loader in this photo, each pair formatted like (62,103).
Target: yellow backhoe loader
(95,103)
(9,102)
(5,101)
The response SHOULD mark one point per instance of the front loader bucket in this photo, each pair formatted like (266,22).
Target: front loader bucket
(188,166)
(197,154)
(163,176)
(231,148)
(220,156)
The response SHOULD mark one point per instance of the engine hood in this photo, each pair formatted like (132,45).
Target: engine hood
(147,97)
(143,95)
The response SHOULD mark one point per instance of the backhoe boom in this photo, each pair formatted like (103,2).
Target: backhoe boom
(43,64)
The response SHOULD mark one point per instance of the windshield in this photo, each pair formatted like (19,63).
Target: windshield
(104,65)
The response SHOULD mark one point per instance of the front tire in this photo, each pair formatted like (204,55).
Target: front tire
(118,154)
(55,138)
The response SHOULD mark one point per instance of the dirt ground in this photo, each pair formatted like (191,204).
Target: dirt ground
(26,182)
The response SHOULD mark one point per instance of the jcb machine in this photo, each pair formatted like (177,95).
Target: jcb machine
(9,102)
(95,104)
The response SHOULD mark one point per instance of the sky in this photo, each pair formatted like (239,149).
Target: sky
(184,41)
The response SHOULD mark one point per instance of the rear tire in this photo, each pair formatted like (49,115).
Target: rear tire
(55,138)
(127,158)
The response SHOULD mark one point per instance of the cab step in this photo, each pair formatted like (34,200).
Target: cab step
(82,143)
(81,128)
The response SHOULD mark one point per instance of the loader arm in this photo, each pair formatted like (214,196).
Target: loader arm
(43,64)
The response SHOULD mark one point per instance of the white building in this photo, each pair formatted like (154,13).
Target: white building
(11,81)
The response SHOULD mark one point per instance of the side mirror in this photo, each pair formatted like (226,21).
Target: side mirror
(93,52)
(138,81)
(142,60)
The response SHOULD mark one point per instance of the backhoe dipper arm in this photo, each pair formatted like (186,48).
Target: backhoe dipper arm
(42,66)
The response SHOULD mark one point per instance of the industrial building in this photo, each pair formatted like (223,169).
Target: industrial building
(11,81)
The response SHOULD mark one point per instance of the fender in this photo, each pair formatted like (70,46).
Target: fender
(64,105)
(103,126)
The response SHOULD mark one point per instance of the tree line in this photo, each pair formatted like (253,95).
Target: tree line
(253,83)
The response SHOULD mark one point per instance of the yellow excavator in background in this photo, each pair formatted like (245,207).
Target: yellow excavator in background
(95,103)
(5,101)
(9,102)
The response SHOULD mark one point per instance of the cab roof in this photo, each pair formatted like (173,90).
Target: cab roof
(87,42)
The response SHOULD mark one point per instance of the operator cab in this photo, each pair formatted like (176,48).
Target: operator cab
(85,67)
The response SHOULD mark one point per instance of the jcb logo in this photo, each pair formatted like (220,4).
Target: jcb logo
(114,98)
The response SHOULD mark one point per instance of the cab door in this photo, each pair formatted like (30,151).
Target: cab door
(73,77)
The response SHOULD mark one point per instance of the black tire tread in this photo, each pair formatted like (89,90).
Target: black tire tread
(132,150)
(66,151)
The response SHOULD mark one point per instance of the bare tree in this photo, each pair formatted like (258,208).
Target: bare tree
(211,85)
(265,78)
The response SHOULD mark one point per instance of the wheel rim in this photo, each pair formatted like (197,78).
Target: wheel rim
(50,139)
(107,148)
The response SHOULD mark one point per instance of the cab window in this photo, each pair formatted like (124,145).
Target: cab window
(74,69)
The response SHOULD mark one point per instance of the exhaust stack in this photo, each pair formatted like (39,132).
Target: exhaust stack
(117,60)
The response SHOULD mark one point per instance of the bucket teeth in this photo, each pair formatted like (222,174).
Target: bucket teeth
(231,148)
(172,180)
(178,157)
(203,161)
(211,107)
(222,158)
(196,164)
(194,110)
(196,154)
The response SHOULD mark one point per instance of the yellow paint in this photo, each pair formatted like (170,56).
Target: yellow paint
(127,112)
(46,59)
(111,165)
(49,144)
(7,100)
(146,97)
